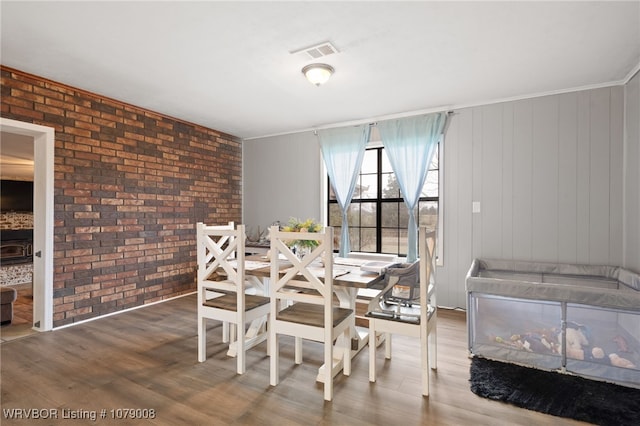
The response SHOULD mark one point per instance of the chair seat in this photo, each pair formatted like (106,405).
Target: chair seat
(229,302)
(311,314)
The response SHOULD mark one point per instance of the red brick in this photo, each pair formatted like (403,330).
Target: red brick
(25,112)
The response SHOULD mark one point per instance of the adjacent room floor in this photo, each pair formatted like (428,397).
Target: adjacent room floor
(22,315)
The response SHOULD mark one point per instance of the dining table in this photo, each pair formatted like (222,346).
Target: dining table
(349,278)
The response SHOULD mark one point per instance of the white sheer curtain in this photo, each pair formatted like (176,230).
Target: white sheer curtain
(343,150)
(410,143)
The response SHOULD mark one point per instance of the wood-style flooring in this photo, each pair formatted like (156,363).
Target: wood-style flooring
(146,359)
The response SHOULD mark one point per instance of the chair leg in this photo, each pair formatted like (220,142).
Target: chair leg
(346,363)
(328,370)
(202,339)
(273,358)
(225,332)
(233,332)
(240,345)
(268,338)
(424,366)
(387,345)
(372,350)
(298,350)
(433,355)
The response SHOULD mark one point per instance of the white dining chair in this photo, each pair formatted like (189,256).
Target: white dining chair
(308,313)
(389,315)
(222,285)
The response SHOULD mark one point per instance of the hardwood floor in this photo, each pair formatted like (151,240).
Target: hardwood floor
(146,359)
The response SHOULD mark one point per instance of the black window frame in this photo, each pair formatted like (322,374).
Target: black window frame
(379,200)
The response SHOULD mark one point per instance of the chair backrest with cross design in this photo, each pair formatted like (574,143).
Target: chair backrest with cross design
(304,286)
(221,286)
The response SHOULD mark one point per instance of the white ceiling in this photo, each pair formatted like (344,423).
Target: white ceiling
(228,66)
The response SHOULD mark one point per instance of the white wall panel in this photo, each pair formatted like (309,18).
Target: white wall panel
(567,178)
(599,198)
(491,179)
(522,179)
(616,178)
(584,179)
(507,180)
(544,183)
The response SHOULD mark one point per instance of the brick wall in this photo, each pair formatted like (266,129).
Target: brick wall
(130,184)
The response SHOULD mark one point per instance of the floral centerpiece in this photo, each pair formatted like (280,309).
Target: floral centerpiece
(309,225)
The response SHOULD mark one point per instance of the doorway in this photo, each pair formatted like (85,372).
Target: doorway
(43,158)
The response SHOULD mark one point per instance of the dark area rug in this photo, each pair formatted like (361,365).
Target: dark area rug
(558,394)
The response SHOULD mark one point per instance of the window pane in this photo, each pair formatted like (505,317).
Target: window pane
(430,188)
(368,240)
(370,161)
(358,190)
(428,214)
(337,232)
(390,240)
(386,165)
(368,213)
(394,241)
(332,195)
(404,240)
(404,215)
(368,186)
(354,238)
(390,186)
(395,215)
(335,218)
(353,215)
(390,215)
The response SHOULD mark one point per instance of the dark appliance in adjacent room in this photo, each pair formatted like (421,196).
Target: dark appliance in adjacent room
(16,246)
(16,196)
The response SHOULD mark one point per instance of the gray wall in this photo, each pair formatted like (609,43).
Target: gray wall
(548,175)
(632,175)
(281,179)
(547,171)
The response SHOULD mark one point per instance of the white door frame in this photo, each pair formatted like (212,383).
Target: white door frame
(43,156)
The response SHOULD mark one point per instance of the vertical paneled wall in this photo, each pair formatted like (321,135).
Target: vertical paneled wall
(632,175)
(130,185)
(547,173)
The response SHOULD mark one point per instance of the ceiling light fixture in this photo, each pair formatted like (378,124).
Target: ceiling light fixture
(317,73)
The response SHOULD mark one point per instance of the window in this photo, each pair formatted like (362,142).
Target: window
(377,214)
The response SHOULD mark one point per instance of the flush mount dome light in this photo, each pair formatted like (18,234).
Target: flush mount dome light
(317,73)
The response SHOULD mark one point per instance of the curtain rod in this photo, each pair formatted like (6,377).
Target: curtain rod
(375,123)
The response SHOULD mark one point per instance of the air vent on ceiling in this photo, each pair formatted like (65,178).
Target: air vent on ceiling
(318,50)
